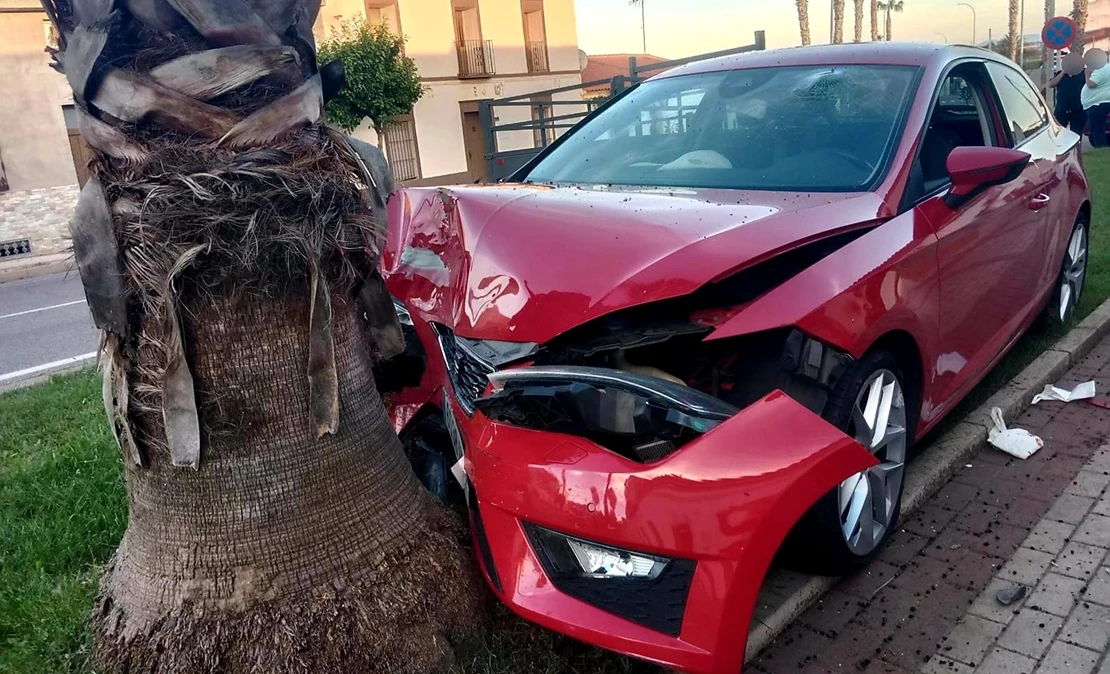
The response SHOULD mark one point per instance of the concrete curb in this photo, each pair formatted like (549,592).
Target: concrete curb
(794,592)
(43,375)
(49,264)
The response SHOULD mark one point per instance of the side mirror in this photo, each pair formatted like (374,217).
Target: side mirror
(974,169)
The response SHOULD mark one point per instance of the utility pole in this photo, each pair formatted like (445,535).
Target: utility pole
(643,22)
(974,20)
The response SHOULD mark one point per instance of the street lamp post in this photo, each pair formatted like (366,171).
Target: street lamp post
(943,36)
(974,20)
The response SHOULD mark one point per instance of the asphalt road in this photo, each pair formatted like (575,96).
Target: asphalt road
(43,320)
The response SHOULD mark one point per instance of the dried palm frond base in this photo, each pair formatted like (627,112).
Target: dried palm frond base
(284,552)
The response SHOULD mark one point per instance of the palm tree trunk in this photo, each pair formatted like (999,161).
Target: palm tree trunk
(858,23)
(803,20)
(838,21)
(874,20)
(1015,39)
(223,242)
(889,24)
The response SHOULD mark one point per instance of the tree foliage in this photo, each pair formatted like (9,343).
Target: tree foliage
(381,81)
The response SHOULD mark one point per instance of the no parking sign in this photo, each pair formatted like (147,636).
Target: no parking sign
(1059,33)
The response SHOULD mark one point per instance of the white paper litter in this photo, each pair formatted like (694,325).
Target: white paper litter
(1014,441)
(1081,392)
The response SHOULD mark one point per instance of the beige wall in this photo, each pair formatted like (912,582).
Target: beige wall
(33,141)
(428,26)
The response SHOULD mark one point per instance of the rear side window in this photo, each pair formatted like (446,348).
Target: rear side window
(1025,114)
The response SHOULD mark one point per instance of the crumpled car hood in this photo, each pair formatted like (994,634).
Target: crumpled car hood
(527,262)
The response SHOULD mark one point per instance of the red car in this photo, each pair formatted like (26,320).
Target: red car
(707,325)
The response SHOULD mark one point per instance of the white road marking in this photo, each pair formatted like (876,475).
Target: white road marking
(20,374)
(33,311)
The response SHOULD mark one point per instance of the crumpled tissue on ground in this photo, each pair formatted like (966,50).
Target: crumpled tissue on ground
(1014,441)
(1081,392)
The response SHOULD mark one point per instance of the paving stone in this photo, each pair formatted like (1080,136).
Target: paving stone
(977,518)
(1002,661)
(929,520)
(1049,536)
(1030,632)
(1079,560)
(1098,590)
(1088,626)
(1102,507)
(1056,594)
(869,579)
(970,640)
(1065,658)
(986,605)
(943,665)
(1026,566)
(1101,460)
(902,548)
(955,496)
(1095,530)
(1070,508)
(1088,483)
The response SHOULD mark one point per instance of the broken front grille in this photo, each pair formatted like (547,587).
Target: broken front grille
(469,376)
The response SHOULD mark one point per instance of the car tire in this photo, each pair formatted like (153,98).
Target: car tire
(847,527)
(1071,279)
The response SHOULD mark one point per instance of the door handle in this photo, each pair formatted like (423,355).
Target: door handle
(1038,202)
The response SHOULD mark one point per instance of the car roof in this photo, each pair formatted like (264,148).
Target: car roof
(865,53)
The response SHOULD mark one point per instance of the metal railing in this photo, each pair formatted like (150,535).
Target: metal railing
(475,58)
(551,118)
(537,57)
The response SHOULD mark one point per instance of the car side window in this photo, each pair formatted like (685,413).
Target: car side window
(959,118)
(1025,113)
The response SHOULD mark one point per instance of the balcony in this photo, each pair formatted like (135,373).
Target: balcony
(475,58)
(537,57)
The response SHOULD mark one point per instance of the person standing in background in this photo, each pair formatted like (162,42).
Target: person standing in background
(1096,95)
(1069,84)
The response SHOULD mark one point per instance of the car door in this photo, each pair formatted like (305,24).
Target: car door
(1030,129)
(985,246)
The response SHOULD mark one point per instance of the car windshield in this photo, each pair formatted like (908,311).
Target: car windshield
(804,128)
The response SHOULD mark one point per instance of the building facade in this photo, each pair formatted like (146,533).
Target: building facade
(34,146)
(468,51)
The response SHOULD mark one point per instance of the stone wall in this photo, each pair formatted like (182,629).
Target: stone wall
(40,215)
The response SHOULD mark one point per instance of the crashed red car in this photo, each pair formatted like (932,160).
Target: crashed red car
(706,326)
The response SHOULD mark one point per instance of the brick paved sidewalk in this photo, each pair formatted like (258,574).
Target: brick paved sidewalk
(1045,520)
(1063,624)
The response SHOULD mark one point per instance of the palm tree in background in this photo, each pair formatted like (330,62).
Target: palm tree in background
(1015,39)
(874,20)
(889,8)
(227,241)
(859,21)
(803,20)
(838,21)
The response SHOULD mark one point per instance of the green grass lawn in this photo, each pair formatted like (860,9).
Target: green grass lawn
(63,509)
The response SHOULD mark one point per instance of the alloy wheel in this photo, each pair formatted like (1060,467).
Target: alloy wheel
(1074,273)
(868,500)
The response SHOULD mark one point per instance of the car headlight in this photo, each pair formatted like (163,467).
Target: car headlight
(640,417)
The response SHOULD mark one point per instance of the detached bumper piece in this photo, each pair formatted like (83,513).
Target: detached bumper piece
(642,418)
(645,589)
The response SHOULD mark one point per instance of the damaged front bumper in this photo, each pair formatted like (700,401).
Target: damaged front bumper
(663,561)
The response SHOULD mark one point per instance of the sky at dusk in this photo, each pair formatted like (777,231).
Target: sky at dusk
(677,28)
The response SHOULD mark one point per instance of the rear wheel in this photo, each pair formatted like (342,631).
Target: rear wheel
(1071,279)
(846,528)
